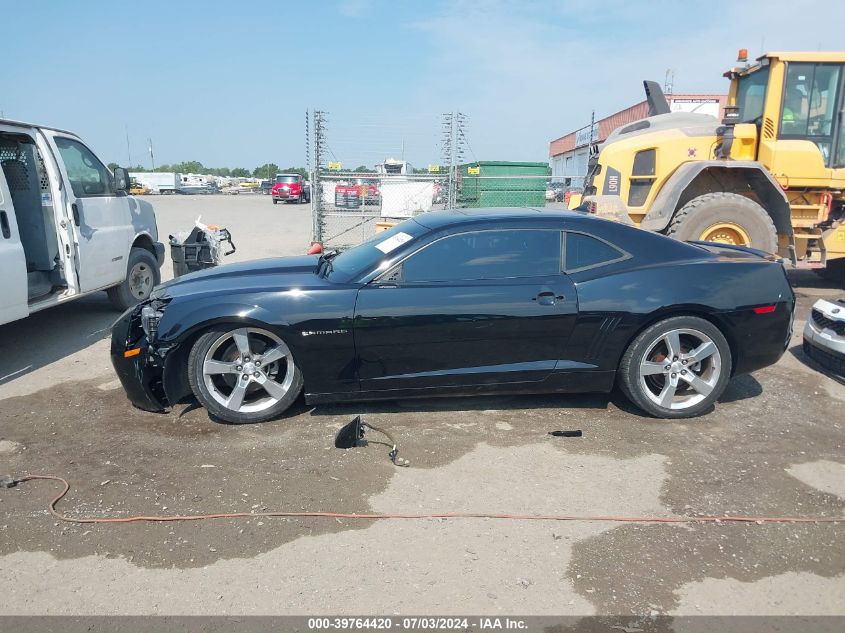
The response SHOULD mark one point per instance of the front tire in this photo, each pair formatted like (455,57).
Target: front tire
(142,275)
(676,368)
(243,375)
(726,218)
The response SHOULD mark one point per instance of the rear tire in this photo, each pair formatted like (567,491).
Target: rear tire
(676,368)
(142,275)
(243,374)
(725,217)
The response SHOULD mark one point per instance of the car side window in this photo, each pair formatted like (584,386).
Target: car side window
(88,176)
(486,255)
(585,251)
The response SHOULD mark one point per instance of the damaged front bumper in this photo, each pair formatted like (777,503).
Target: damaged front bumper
(139,369)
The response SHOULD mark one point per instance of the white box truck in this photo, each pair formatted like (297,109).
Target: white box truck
(67,226)
(164,182)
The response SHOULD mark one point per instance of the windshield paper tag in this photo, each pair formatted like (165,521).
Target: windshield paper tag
(393,242)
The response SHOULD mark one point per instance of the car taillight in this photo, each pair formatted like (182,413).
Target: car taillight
(764,309)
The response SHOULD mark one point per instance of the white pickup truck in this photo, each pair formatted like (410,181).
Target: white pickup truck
(67,225)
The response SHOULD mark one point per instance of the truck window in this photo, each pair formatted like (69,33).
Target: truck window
(809,104)
(751,94)
(88,176)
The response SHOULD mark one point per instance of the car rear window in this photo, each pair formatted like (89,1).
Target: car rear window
(585,251)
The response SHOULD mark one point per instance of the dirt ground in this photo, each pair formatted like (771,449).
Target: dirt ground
(772,447)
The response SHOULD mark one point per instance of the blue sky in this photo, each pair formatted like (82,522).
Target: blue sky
(228,83)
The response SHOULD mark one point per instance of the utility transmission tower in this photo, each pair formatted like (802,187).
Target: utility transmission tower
(669,82)
(320,147)
(454,147)
(307,143)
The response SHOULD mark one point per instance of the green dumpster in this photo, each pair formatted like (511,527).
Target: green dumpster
(502,184)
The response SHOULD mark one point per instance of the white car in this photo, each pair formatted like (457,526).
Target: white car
(824,335)
(68,227)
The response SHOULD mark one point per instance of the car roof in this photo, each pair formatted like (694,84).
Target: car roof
(647,245)
(437,219)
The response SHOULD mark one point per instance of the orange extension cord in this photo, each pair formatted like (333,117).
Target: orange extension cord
(437,515)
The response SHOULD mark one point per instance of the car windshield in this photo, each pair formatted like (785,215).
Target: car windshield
(751,94)
(370,254)
(287,179)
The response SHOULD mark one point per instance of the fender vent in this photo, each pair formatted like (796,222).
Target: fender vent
(768,128)
(607,326)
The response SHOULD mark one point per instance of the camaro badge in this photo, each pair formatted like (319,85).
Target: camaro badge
(316,332)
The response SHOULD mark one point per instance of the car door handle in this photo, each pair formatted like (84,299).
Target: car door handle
(75,210)
(547,298)
(4,225)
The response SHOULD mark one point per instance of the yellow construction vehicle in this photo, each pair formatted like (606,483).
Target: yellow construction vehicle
(138,189)
(770,175)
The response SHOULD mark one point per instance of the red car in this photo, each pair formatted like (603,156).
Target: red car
(290,188)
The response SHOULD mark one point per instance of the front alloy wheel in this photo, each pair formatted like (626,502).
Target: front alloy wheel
(243,374)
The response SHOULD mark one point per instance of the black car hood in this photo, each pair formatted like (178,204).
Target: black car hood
(279,273)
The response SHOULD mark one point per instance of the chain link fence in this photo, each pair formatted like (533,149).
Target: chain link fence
(351,207)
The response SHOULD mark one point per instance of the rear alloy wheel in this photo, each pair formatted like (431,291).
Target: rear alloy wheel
(676,368)
(243,374)
(726,218)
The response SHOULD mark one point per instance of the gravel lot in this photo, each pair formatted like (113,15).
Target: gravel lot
(773,447)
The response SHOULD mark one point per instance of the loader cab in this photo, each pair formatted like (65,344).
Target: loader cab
(811,106)
(796,102)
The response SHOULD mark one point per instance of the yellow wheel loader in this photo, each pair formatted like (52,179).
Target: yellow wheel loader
(770,175)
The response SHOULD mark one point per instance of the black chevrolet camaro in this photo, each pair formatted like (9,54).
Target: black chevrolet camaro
(459,303)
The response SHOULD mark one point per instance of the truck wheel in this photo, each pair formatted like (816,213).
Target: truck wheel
(275,201)
(141,277)
(727,218)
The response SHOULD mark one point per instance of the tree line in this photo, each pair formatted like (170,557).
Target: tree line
(266,171)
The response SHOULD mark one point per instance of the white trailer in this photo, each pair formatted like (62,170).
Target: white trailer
(163,182)
(196,180)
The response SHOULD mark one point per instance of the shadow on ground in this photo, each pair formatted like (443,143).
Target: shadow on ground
(52,334)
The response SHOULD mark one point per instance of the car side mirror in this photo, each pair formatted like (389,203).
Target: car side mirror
(121,179)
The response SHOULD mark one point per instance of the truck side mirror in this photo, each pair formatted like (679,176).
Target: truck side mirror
(121,179)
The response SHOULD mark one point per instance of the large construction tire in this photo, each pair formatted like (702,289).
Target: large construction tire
(727,218)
